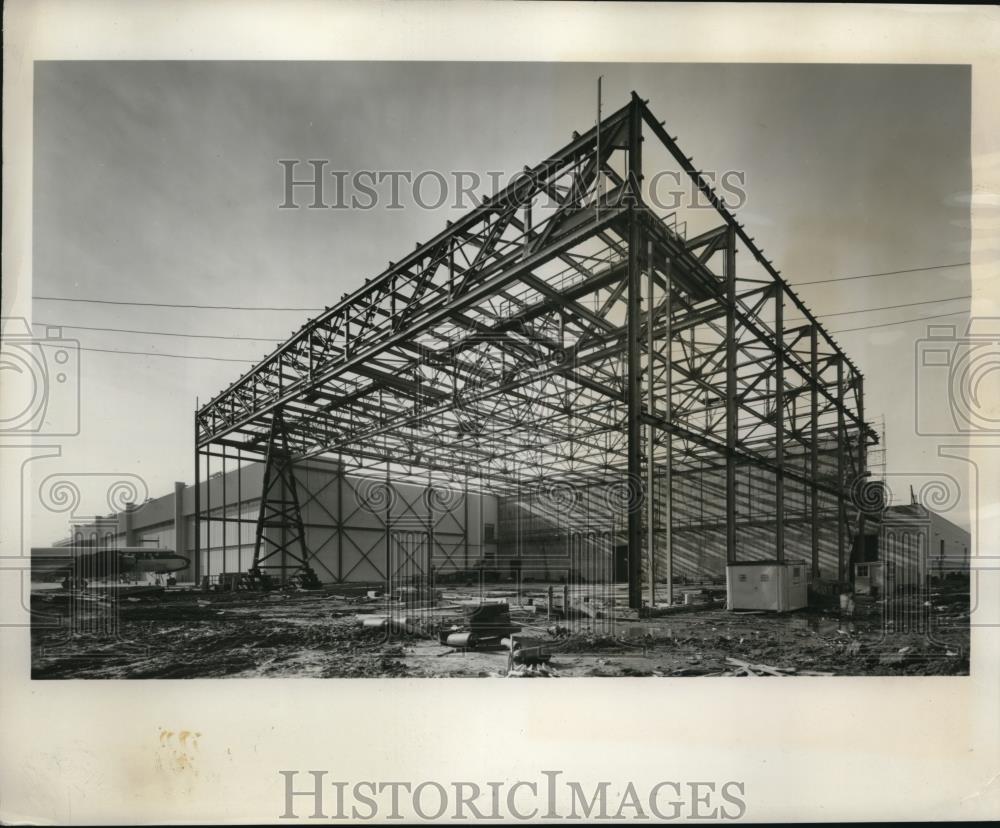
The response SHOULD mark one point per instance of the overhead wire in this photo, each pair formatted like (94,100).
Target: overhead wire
(302,310)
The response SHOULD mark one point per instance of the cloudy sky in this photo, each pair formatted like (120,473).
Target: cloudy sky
(159,182)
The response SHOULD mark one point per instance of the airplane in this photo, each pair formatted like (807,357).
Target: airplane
(77,564)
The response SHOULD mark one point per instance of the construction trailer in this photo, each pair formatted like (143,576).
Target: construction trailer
(569,343)
(767,585)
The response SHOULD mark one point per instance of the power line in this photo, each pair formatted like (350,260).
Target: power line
(170,305)
(316,310)
(251,362)
(150,353)
(873,275)
(271,339)
(891,307)
(898,322)
(161,333)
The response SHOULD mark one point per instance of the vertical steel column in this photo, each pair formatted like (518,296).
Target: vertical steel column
(284,540)
(388,520)
(779,422)
(814,445)
(650,429)
(859,384)
(634,397)
(668,434)
(340,517)
(208,510)
(239,509)
(196,568)
(430,519)
(732,413)
(225,514)
(481,534)
(841,438)
(862,470)
(518,542)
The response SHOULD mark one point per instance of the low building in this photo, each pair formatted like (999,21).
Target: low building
(352,524)
(916,543)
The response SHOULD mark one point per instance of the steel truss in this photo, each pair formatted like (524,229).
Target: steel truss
(280,510)
(567,334)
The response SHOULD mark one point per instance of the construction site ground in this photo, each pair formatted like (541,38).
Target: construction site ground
(184,633)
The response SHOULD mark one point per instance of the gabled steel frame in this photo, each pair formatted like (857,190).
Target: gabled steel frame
(565,332)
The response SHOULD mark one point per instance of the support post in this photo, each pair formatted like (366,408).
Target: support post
(430,520)
(481,537)
(841,439)
(732,413)
(668,435)
(208,510)
(196,564)
(340,518)
(779,423)
(225,514)
(634,399)
(862,471)
(389,567)
(650,429)
(814,445)
(239,510)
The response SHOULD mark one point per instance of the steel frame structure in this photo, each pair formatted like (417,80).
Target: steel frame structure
(567,333)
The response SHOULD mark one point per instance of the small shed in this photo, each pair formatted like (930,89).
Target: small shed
(779,586)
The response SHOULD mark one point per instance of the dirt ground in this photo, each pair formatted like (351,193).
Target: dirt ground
(181,633)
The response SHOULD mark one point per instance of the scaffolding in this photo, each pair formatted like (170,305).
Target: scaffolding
(571,335)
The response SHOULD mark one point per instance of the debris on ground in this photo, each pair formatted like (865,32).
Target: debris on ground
(349,631)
